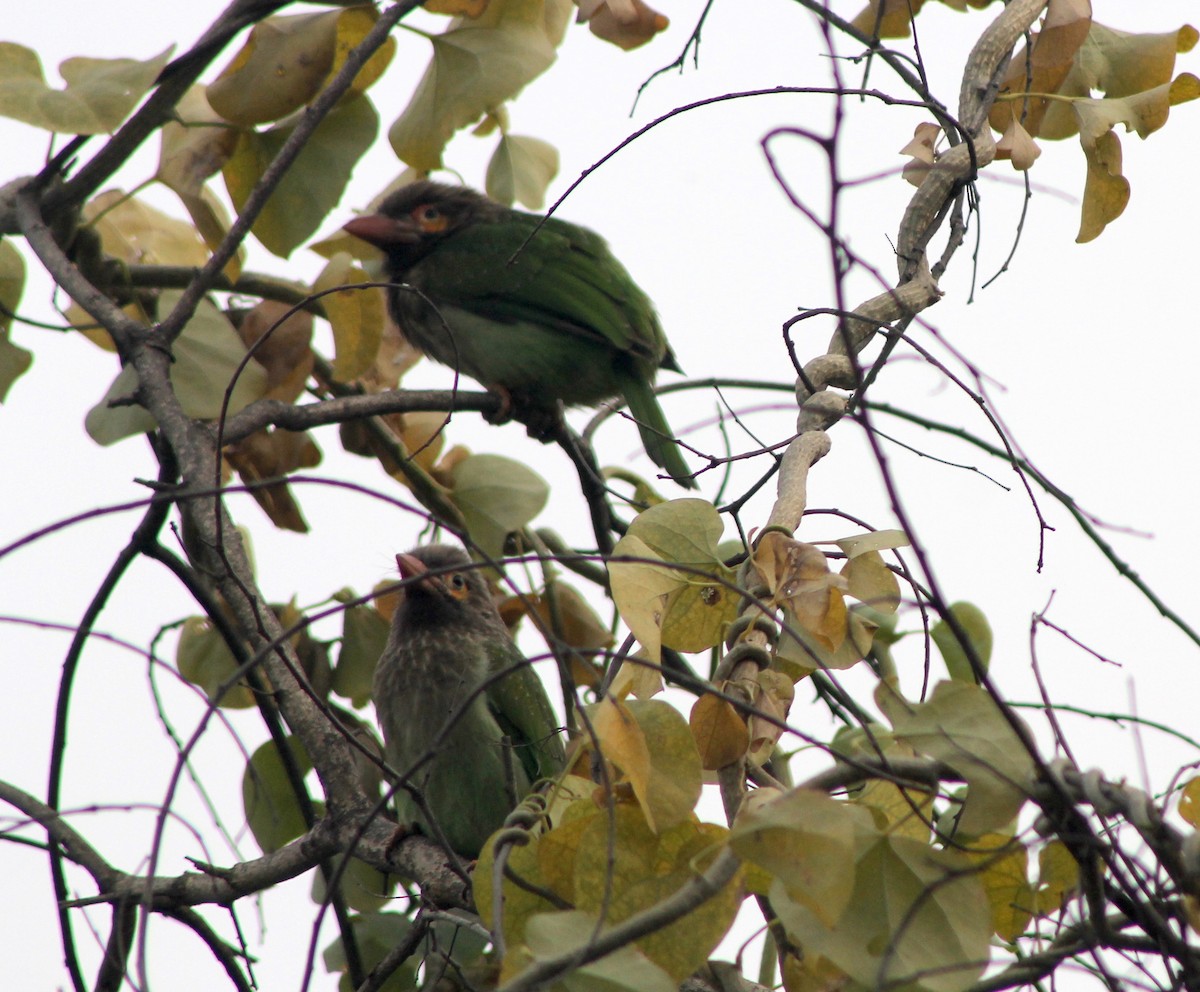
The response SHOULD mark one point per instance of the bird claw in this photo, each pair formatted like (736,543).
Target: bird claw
(543,423)
(505,413)
(402,832)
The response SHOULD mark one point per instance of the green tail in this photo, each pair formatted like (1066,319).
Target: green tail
(657,436)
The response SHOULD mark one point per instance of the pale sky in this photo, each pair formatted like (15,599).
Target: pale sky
(1080,345)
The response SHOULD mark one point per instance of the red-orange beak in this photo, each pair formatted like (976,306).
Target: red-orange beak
(383,231)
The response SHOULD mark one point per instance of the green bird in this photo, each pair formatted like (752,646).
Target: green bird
(536,314)
(472,752)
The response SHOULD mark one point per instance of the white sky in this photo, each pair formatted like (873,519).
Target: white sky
(1082,346)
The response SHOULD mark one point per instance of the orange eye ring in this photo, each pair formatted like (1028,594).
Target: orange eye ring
(430,219)
(456,582)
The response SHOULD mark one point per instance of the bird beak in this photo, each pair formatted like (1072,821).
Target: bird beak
(413,570)
(411,567)
(383,232)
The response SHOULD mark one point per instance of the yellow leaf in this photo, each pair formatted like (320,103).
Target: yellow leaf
(887,18)
(1106,191)
(1018,147)
(812,973)
(1189,801)
(682,947)
(1044,70)
(771,695)
(721,734)
(189,154)
(139,234)
(799,651)
(623,867)
(628,24)
(652,745)
(570,619)
(287,60)
(352,26)
(1003,869)
(872,540)
(1058,877)
(519,903)
(798,576)
(906,812)
(455,8)
(356,316)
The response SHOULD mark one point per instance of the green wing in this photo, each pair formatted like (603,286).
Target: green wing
(564,277)
(522,709)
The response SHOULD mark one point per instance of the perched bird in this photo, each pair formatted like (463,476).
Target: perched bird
(536,317)
(446,640)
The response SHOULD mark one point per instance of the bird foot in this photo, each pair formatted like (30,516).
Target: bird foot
(543,423)
(402,832)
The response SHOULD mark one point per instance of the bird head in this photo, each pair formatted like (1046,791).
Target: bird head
(411,221)
(443,585)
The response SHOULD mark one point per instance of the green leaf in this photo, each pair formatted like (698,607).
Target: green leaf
(870,581)
(497,496)
(364,888)
(550,935)
(688,607)
(806,841)
(14,360)
(12,282)
(99,95)
(314,183)
(364,634)
(917,918)
(204,659)
(962,725)
(207,355)
(979,632)
(268,798)
(477,65)
(872,540)
(376,934)
(521,169)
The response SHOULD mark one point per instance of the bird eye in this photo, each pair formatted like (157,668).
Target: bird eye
(430,218)
(457,584)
